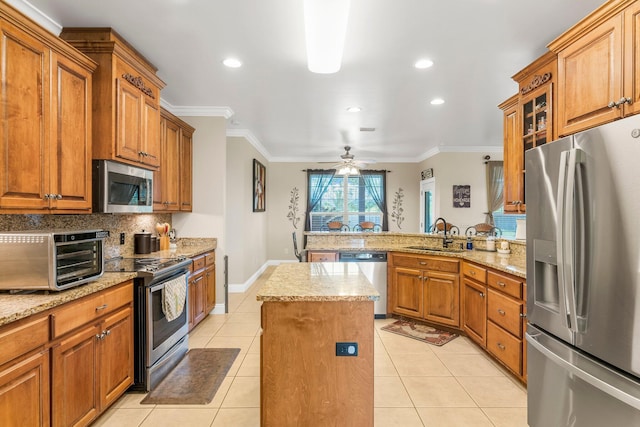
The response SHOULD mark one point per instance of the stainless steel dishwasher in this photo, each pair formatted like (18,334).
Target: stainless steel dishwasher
(373,264)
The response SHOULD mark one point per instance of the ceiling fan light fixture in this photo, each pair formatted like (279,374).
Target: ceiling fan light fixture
(347,170)
(325,23)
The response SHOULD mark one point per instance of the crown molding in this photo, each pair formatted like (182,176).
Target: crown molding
(194,111)
(251,138)
(37,15)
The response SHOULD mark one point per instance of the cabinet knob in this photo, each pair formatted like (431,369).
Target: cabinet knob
(501,284)
(423,263)
(59,196)
(473,273)
(501,312)
(481,294)
(47,196)
(500,346)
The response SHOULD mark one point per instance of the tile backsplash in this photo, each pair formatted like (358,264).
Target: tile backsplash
(114,223)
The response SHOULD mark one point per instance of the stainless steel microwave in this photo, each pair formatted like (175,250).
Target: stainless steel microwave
(50,260)
(121,188)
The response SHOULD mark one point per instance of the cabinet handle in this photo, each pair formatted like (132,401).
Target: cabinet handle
(423,263)
(59,196)
(99,336)
(107,332)
(500,346)
(501,312)
(101,307)
(47,196)
(481,294)
(622,101)
(501,284)
(473,273)
(523,315)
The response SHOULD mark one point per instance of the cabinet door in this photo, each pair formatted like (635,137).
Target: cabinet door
(128,121)
(116,356)
(590,77)
(513,161)
(210,286)
(407,291)
(632,58)
(75,378)
(474,311)
(70,136)
(166,179)
(186,171)
(442,298)
(197,299)
(24,114)
(24,392)
(150,135)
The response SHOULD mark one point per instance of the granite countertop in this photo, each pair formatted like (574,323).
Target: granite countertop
(515,264)
(18,306)
(327,281)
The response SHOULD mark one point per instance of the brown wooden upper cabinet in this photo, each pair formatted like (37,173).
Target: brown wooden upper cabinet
(528,119)
(126,98)
(45,126)
(598,65)
(172,182)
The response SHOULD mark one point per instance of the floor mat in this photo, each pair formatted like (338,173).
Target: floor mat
(420,332)
(195,379)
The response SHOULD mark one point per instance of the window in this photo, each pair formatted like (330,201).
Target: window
(506,223)
(348,199)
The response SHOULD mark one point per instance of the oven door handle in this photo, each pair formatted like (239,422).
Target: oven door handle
(161,285)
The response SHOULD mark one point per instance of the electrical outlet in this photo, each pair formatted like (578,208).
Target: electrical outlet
(122,238)
(346,349)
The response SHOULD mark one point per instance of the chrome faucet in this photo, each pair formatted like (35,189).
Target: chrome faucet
(445,241)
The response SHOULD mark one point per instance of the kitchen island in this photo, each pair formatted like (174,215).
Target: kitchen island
(308,311)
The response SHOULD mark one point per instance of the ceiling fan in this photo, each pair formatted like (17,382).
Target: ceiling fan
(348,165)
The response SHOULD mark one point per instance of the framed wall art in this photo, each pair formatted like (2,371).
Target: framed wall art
(461,196)
(259,186)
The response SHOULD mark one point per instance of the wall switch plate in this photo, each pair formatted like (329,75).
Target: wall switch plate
(122,238)
(346,349)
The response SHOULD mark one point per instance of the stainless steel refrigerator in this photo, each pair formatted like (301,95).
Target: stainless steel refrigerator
(583,278)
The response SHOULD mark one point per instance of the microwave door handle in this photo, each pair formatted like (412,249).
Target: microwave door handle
(560,235)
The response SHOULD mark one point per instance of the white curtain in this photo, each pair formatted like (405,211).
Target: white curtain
(495,175)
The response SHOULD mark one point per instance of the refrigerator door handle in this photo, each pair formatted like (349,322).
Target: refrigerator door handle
(560,239)
(569,229)
(590,376)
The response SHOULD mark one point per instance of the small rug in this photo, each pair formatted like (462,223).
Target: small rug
(195,379)
(420,332)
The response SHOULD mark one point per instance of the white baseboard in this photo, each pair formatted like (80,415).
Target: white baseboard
(242,287)
(218,309)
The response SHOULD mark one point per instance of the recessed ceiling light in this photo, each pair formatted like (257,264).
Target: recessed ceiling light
(423,63)
(354,109)
(437,101)
(232,63)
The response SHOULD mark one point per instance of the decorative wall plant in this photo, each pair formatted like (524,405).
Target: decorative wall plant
(294,201)
(396,213)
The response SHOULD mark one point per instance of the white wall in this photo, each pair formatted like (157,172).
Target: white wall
(451,169)
(209,177)
(247,230)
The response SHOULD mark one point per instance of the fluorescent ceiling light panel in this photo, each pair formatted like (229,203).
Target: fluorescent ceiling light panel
(325,24)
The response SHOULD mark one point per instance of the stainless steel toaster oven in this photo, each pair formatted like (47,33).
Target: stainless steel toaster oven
(50,260)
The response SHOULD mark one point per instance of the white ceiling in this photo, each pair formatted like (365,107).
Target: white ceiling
(295,115)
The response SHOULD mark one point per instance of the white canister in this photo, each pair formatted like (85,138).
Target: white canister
(491,243)
(521,229)
(504,245)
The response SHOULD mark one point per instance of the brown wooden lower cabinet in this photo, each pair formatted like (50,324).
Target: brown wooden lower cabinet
(202,288)
(24,391)
(303,382)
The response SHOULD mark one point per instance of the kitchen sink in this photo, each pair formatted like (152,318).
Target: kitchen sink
(426,248)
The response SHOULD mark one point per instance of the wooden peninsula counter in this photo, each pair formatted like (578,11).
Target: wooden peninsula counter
(309,310)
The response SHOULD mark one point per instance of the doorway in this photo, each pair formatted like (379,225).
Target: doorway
(427,204)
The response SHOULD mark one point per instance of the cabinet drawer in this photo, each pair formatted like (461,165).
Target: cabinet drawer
(78,313)
(323,256)
(18,340)
(508,285)
(505,347)
(427,263)
(198,263)
(475,272)
(505,312)
(209,258)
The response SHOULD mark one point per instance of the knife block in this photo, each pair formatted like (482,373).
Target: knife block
(164,243)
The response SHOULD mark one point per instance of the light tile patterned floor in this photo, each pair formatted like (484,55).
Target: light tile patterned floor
(416,384)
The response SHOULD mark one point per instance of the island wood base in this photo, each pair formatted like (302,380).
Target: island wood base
(302,381)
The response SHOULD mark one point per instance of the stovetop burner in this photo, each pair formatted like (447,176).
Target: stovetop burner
(145,266)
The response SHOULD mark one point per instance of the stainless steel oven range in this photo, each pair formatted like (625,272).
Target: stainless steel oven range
(160,335)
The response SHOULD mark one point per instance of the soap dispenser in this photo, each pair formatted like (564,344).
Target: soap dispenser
(469,244)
